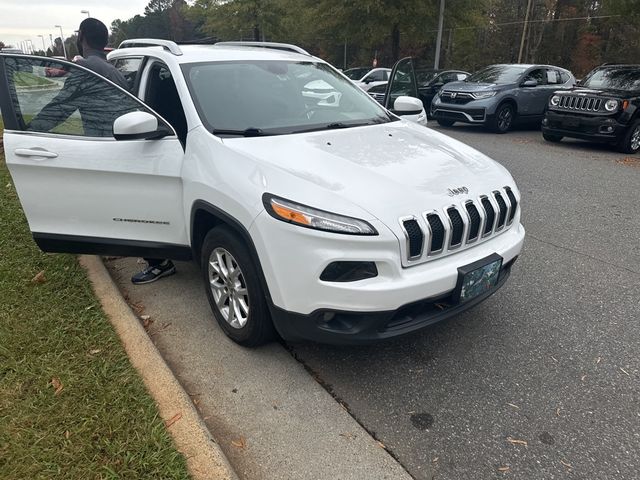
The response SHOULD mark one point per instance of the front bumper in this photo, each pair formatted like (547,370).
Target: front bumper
(351,328)
(293,258)
(604,129)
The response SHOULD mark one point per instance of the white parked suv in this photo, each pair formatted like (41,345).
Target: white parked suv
(314,215)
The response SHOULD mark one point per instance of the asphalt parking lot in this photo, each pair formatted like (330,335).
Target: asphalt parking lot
(542,381)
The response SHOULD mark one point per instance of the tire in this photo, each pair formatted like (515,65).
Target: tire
(445,122)
(552,138)
(502,121)
(243,315)
(630,143)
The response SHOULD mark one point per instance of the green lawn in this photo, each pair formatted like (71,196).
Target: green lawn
(71,405)
(26,79)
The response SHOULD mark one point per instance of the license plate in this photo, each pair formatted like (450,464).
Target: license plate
(571,122)
(478,278)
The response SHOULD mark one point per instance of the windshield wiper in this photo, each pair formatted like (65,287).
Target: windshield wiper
(249,132)
(339,125)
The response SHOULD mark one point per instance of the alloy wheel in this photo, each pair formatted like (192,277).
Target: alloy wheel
(635,139)
(228,287)
(505,116)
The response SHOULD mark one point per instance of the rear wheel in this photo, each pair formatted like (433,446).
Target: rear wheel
(445,123)
(503,118)
(551,138)
(630,143)
(234,289)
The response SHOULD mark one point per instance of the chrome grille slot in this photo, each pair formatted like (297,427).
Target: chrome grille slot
(503,210)
(415,238)
(514,203)
(457,227)
(437,233)
(474,221)
(490,215)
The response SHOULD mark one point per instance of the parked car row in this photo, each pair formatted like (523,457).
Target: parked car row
(602,107)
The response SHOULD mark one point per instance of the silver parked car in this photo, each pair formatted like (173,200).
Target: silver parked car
(500,95)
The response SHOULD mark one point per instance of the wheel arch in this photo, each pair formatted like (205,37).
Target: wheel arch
(510,100)
(204,217)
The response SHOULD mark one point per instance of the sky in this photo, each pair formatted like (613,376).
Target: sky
(26,19)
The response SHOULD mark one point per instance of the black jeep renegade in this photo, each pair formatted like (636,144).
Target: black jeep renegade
(604,107)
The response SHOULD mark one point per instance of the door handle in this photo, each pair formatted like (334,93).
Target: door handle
(34,152)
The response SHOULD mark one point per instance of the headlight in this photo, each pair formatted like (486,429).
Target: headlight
(611,105)
(479,95)
(309,217)
(555,100)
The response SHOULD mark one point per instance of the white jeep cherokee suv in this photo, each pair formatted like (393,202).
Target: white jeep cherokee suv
(320,217)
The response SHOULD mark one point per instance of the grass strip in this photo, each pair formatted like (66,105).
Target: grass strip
(71,404)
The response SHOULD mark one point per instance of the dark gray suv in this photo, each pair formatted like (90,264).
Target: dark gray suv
(500,95)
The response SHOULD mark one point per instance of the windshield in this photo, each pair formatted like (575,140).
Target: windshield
(356,73)
(500,74)
(277,97)
(613,78)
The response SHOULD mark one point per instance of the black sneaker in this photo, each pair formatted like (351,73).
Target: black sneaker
(153,273)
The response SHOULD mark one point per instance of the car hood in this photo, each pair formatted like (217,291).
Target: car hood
(388,170)
(474,86)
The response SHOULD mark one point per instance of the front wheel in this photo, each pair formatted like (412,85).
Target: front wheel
(630,143)
(503,119)
(234,289)
(551,138)
(445,123)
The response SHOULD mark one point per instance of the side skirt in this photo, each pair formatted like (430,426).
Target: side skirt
(55,243)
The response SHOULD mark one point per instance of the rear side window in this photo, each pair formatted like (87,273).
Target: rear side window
(553,77)
(564,77)
(62,98)
(130,69)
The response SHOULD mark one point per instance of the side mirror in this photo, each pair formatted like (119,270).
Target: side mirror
(530,83)
(368,80)
(137,125)
(407,105)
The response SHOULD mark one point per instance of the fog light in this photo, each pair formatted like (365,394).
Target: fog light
(545,122)
(348,271)
(606,129)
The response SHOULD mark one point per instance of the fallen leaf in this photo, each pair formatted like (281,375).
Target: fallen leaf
(554,359)
(145,317)
(624,371)
(630,161)
(146,322)
(435,460)
(8,185)
(39,278)
(381,445)
(568,465)
(95,351)
(583,377)
(173,419)
(504,469)
(67,434)
(348,435)
(89,307)
(598,360)
(514,441)
(57,385)
(239,443)
(514,406)
(558,411)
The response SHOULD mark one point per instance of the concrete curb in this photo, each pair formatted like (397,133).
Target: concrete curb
(204,457)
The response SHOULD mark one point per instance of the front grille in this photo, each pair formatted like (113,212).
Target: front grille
(379,97)
(579,103)
(458,225)
(502,205)
(455,98)
(415,237)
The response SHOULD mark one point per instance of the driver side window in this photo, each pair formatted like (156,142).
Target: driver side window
(538,75)
(62,98)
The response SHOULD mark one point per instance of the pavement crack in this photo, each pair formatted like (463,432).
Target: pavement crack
(578,252)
